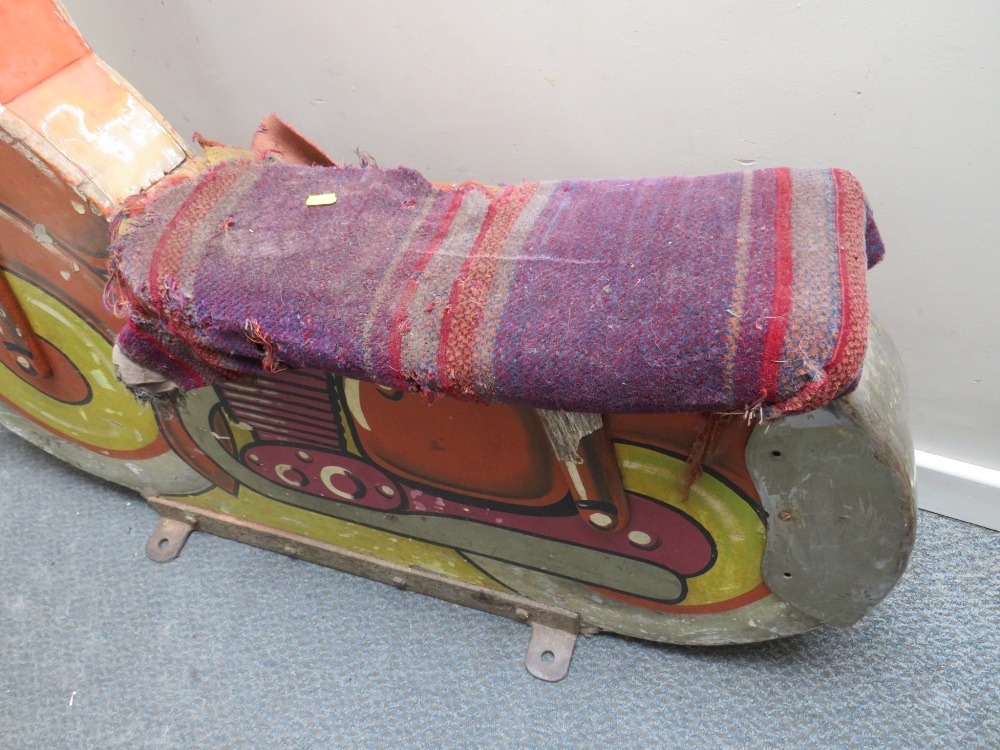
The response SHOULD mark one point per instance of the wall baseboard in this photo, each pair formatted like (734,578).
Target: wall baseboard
(959,490)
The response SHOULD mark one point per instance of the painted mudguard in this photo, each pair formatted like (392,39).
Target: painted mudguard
(792,524)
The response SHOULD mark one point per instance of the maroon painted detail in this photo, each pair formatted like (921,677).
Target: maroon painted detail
(333,476)
(678,544)
(684,547)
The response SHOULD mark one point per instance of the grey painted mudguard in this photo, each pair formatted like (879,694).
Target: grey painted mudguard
(838,486)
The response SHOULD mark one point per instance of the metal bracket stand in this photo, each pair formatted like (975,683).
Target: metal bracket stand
(167,539)
(550,651)
(553,630)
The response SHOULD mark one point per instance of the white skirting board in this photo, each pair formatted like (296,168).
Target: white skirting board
(959,490)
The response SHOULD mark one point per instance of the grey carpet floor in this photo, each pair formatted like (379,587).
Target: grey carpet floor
(230,646)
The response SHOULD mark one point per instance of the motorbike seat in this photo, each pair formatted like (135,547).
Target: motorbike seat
(739,292)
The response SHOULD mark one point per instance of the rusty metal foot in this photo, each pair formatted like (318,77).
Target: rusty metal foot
(167,539)
(553,630)
(550,651)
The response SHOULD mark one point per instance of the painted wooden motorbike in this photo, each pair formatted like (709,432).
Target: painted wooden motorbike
(802,521)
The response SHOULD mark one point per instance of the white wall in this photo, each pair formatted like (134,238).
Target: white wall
(906,95)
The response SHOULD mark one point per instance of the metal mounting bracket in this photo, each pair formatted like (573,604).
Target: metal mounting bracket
(550,651)
(553,630)
(168,539)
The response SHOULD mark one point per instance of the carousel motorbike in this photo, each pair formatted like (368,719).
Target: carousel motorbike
(608,496)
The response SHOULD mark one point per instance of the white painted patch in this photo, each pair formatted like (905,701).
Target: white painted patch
(574,475)
(121,137)
(282,471)
(130,138)
(42,235)
(326,476)
(352,394)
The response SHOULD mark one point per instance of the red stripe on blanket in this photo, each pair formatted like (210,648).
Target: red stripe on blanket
(844,362)
(400,320)
(175,241)
(781,301)
(847,324)
(195,380)
(472,288)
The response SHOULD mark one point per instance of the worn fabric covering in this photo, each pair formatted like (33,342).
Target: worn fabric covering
(733,292)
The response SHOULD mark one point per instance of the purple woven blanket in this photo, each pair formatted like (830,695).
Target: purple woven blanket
(731,292)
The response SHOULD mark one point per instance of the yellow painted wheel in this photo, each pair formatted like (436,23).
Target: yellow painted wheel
(82,401)
(728,603)
(737,530)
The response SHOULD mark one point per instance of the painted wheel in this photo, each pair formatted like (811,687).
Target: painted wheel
(728,603)
(82,401)
(81,413)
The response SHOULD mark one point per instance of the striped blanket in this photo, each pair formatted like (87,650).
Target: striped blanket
(733,292)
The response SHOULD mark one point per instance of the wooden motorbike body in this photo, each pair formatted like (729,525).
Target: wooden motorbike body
(787,525)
